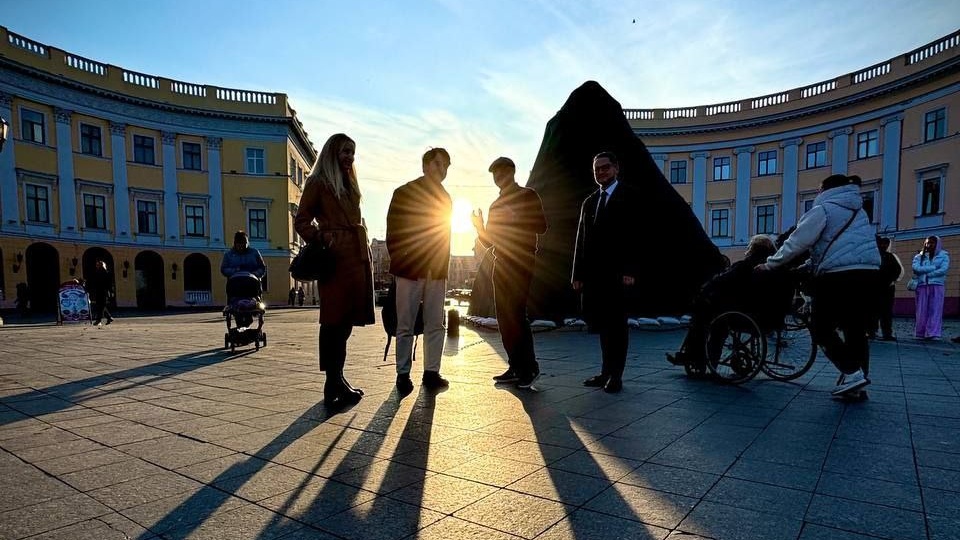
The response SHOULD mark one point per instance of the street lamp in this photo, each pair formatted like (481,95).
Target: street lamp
(3,132)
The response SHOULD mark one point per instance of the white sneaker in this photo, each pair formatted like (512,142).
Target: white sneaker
(850,382)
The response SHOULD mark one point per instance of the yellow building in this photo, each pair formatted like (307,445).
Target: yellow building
(150,174)
(755,165)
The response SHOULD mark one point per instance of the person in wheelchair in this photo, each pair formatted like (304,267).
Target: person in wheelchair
(738,288)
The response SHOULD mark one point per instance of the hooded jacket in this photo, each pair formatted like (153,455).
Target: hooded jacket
(932,270)
(854,249)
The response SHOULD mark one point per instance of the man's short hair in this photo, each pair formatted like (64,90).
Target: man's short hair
(834,181)
(432,153)
(239,236)
(609,155)
(502,163)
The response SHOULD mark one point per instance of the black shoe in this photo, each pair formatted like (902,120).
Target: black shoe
(613,386)
(110,320)
(507,376)
(597,381)
(677,359)
(433,381)
(404,384)
(527,380)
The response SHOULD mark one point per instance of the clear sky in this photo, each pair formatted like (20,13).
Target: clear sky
(478,77)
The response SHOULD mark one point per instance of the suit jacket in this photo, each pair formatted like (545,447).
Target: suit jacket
(607,249)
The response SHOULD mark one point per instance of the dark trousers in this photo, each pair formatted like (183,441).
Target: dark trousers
(841,301)
(333,354)
(883,311)
(511,287)
(100,308)
(605,306)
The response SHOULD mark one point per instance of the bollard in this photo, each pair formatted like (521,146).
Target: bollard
(453,323)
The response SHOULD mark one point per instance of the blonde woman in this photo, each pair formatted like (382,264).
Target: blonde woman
(330,213)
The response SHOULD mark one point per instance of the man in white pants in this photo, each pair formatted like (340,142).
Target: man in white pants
(418,241)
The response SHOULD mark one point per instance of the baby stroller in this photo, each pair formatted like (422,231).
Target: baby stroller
(243,304)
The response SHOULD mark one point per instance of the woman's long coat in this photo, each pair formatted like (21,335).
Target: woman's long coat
(347,298)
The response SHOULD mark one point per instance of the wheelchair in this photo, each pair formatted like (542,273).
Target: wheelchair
(773,340)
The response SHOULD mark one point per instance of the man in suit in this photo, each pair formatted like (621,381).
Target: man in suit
(605,266)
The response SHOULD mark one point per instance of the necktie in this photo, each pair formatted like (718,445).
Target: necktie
(601,206)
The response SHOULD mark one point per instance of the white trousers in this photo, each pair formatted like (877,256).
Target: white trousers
(409,295)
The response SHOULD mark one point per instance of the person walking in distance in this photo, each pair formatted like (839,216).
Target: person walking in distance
(329,212)
(100,284)
(603,271)
(515,219)
(418,242)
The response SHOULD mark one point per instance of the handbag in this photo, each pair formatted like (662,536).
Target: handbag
(314,262)
(912,284)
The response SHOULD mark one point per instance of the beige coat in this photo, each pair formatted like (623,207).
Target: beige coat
(347,298)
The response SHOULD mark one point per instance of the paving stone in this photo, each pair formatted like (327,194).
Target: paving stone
(143,490)
(443,493)
(246,521)
(452,527)
(598,465)
(641,504)
(262,484)
(113,473)
(775,474)
(819,532)
(944,527)
(786,502)
(865,518)
(671,479)
(182,509)
(939,478)
(105,527)
(586,525)
(714,520)
(381,519)
(317,499)
(561,486)
(49,515)
(515,513)
(493,470)
(906,496)
(942,503)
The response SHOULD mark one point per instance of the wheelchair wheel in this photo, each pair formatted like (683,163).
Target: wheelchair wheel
(735,347)
(263,338)
(794,353)
(226,341)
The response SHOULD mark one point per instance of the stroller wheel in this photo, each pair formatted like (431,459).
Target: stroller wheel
(263,338)
(226,341)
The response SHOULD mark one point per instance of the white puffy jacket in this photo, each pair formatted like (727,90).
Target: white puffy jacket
(854,249)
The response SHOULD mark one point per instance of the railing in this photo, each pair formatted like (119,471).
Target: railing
(772,99)
(188,89)
(27,44)
(140,79)
(85,64)
(891,67)
(246,96)
(723,108)
(689,112)
(639,114)
(870,73)
(197,298)
(817,89)
(934,48)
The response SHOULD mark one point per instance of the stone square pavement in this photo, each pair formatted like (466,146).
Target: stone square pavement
(148,429)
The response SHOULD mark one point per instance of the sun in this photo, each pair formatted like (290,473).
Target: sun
(463,234)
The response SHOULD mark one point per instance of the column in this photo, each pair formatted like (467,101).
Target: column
(841,149)
(791,149)
(742,224)
(889,185)
(700,184)
(171,202)
(661,161)
(8,172)
(215,179)
(121,199)
(67,185)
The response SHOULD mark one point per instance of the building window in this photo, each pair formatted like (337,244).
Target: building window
(90,141)
(720,223)
(194,220)
(38,204)
(721,168)
(930,196)
(94,211)
(767,163)
(807,205)
(255,161)
(257,223)
(869,199)
(143,150)
(191,156)
(31,126)
(766,218)
(935,125)
(868,144)
(816,155)
(678,172)
(147,217)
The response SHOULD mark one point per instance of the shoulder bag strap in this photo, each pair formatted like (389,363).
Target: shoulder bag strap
(840,232)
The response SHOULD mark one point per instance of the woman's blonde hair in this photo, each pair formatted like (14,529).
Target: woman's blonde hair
(326,168)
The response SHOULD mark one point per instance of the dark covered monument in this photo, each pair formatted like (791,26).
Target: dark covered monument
(680,255)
